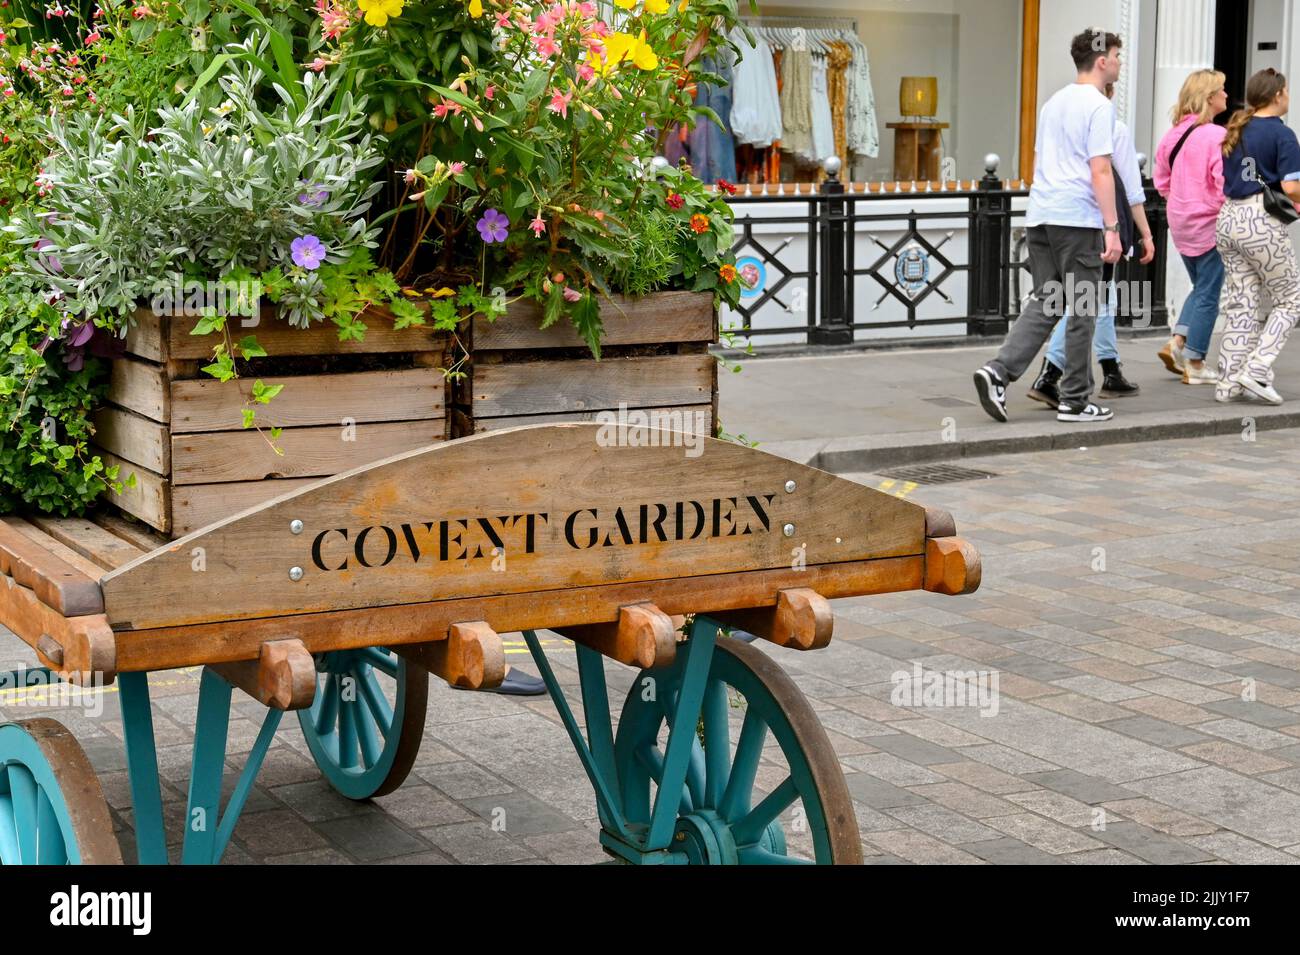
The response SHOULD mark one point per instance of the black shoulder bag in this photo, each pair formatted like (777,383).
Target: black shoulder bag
(1276,202)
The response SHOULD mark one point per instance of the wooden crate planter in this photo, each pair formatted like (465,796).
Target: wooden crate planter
(344,404)
(654,357)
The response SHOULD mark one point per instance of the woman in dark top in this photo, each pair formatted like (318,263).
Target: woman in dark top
(1260,150)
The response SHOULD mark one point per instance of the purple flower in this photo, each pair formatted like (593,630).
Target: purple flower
(77,335)
(492,227)
(314,195)
(308,252)
(50,263)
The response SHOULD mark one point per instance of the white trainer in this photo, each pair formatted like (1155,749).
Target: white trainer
(1261,390)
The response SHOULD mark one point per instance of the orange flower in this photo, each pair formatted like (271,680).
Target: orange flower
(700,223)
(728,273)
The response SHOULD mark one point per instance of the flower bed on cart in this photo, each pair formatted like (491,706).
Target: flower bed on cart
(250,244)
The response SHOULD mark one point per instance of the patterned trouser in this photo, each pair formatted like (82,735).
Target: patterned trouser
(1257,257)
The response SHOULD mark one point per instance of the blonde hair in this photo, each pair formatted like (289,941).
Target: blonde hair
(1261,90)
(1195,95)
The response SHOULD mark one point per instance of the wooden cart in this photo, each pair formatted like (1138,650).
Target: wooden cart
(338,599)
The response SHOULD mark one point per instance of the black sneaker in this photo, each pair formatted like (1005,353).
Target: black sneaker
(1082,412)
(1044,387)
(993,392)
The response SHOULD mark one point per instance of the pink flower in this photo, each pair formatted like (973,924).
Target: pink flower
(409,177)
(318,64)
(587,10)
(571,294)
(490,92)
(600,28)
(456,168)
(503,20)
(560,103)
(92,38)
(545,47)
(334,18)
(140,12)
(440,110)
(585,73)
(538,225)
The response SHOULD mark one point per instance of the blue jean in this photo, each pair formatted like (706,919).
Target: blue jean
(1196,320)
(1104,344)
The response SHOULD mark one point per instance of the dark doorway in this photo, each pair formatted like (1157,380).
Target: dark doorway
(1232,51)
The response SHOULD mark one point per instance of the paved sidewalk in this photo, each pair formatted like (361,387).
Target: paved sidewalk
(861,410)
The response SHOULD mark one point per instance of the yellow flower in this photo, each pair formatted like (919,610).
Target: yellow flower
(625,4)
(476,8)
(378,12)
(682,6)
(617,46)
(656,6)
(642,53)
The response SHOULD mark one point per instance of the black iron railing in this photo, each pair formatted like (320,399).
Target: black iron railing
(911,260)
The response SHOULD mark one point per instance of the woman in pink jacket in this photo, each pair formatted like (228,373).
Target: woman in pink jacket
(1189,173)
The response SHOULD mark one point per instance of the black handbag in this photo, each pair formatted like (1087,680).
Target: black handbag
(1279,205)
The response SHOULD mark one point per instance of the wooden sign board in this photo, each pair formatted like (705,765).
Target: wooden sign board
(532,509)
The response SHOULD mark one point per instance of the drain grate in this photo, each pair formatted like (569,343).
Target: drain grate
(936,473)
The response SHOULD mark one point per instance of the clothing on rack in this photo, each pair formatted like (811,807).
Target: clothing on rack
(823,125)
(796,102)
(756,107)
(712,148)
(863,133)
(838,61)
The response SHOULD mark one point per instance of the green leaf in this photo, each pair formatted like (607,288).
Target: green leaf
(249,416)
(263,393)
(586,317)
(208,324)
(249,348)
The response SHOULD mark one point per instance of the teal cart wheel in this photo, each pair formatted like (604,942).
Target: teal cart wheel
(364,744)
(718,821)
(52,811)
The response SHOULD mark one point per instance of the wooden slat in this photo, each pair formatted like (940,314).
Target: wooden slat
(413,623)
(133,438)
(308,452)
(664,317)
(536,387)
(150,498)
(133,533)
(404,395)
(140,386)
(89,540)
(197,505)
(688,415)
(553,496)
(160,339)
(57,583)
(56,547)
(86,641)
(144,336)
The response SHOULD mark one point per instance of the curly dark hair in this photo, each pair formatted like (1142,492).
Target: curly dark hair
(1089,45)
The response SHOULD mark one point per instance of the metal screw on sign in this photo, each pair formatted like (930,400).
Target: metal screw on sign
(789,487)
(295,573)
(788,530)
(295,527)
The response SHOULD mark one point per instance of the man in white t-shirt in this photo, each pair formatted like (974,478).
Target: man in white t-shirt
(1072,229)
